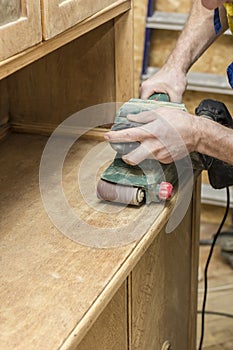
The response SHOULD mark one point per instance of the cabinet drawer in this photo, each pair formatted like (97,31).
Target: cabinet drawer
(59,15)
(20,26)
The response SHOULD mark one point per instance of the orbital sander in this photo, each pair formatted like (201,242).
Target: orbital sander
(152,181)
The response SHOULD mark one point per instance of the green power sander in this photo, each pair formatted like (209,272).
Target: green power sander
(152,181)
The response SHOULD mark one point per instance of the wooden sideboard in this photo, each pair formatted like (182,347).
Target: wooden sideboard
(55,292)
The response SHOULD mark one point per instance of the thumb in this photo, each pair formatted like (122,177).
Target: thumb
(145,93)
(143,117)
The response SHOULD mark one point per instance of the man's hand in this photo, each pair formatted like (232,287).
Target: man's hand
(168,135)
(168,80)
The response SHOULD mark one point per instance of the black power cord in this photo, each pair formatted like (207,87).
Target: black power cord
(206,269)
(224,314)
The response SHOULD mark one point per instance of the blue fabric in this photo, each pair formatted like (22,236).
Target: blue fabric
(230,74)
(217,22)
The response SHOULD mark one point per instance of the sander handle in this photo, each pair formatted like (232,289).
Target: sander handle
(159,96)
(123,148)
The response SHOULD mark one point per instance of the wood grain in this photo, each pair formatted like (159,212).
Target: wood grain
(140,12)
(124,65)
(4,102)
(78,75)
(114,320)
(155,283)
(22,59)
(55,289)
(47,287)
(58,17)
(22,32)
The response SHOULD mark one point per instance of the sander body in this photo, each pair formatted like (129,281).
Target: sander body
(150,181)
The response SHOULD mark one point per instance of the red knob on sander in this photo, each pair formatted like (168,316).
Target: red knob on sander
(165,190)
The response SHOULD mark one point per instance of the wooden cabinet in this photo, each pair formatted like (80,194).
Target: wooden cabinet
(57,293)
(20,26)
(59,15)
(24,24)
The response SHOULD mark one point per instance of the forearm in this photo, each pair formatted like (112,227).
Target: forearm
(197,35)
(214,139)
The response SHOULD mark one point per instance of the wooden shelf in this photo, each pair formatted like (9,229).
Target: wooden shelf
(54,288)
(169,21)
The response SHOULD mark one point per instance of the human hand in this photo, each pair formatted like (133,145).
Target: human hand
(167,80)
(168,135)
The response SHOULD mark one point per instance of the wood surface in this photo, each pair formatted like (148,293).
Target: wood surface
(60,16)
(124,51)
(4,103)
(140,12)
(51,282)
(114,320)
(55,289)
(9,11)
(194,263)
(156,282)
(16,62)
(79,75)
(181,6)
(23,32)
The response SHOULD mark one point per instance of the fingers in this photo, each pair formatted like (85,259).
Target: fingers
(149,149)
(127,135)
(137,156)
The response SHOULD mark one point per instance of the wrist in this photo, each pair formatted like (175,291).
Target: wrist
(198,128)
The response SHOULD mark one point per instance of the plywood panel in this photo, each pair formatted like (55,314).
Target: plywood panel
(110,329)
(214,60)
(161,282)
(76,76)
(193,98)
(181,6)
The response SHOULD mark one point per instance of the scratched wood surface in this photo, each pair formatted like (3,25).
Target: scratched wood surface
(50,282)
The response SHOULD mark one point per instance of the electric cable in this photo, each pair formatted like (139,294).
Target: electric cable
(206,268)
(216,313)
(217,289)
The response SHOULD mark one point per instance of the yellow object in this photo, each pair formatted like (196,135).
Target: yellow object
(229,9)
